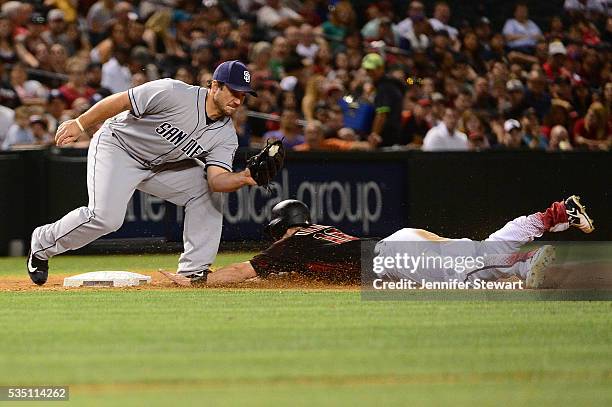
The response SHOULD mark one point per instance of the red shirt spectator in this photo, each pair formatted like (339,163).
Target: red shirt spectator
(593,131)
(76,86)
(553,68)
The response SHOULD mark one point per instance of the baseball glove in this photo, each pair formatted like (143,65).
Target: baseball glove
(267,163)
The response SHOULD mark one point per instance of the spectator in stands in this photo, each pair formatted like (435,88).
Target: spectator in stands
(94,75)
(8,95)
(7,119)
(484,101)
(592,67)
(99,19)
(578,9)
(438,107)
(388,103)
(497,49)
(292,35)
(275,17)
(513,136)
(474,127)
(58,58)
(445,136)
(561,113)
(259,67)
(554,67)
(135,32)
(104,50)
(323,59)
(19,133)
(472,53)
(314,138)
(312,96)
(30,92)
(415,12)
(307,47)
(123,12)
(537,95)
(521,33)
(556,32)
(312,12)
(8,53)
(340,21)
(559,139)
(25,44)
(592,132)
(39,129)
(19,13)
(374,17)
(533,137)
(440,19)
(76,86)
(333,120)
(581,97)
(483,31)
(116,75)
(463,101)
(289,131)
(561,89)
(279,53)
(56,34)
(183,73)
(517,104)
(416,125)
(56,112)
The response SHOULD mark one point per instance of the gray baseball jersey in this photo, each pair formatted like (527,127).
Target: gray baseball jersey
(167,123)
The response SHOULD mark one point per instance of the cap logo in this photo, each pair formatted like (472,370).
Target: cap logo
(247,76)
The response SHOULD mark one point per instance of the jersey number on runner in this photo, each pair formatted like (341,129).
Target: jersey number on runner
(327,233)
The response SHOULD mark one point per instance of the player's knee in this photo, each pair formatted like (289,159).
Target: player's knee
(107,223)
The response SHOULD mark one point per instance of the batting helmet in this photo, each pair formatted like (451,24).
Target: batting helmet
(286,214)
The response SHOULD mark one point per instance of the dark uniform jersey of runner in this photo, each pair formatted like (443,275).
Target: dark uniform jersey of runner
(318,251)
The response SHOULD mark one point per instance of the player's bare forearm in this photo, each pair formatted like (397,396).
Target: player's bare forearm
(220,180)
(105,109)
(70,130)
(234,273)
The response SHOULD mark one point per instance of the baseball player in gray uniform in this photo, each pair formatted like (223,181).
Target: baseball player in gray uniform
(168,139)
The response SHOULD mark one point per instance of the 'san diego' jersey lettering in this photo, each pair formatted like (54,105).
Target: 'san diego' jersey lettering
(167,123)
(176,136)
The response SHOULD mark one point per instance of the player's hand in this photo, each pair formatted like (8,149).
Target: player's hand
(247,177)
(68,132)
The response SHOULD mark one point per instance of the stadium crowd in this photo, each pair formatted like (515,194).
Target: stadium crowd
(327,78)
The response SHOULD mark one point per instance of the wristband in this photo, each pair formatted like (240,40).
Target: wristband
(80,125)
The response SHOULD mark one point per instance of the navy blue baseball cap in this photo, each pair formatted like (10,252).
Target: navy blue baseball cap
(235,75)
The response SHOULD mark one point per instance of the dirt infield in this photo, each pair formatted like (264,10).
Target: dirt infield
(569,276)
(158,281)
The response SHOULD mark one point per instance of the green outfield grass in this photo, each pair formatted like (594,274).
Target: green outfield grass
(293,347)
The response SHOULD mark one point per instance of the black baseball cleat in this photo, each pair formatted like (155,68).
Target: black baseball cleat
(38,269)
(577,216)
(199,278)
